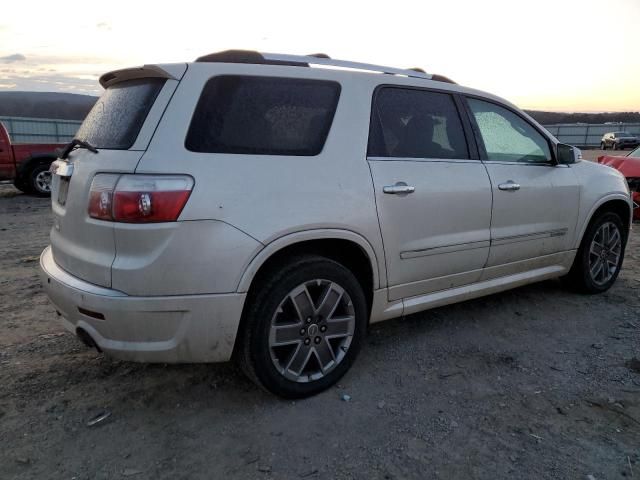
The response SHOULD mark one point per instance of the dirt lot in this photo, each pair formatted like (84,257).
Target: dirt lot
(532,383)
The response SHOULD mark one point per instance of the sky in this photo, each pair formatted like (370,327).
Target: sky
(558,55)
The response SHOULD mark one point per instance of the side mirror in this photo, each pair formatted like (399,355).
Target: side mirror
(566,154)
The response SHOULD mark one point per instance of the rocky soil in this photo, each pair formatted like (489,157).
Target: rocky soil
(533,383)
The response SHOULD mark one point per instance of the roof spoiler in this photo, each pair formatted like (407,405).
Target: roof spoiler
(145,71)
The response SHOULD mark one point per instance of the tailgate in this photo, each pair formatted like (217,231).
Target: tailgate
(81,245)
(120,126)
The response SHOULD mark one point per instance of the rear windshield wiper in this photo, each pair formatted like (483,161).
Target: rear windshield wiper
(76,143)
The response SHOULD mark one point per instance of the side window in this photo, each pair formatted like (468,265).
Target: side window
(410,123)
(508,137)
(263,116)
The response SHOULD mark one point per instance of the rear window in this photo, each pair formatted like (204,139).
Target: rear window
(263,116)
(117,117)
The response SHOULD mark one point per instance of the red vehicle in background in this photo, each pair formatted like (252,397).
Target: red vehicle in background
(629,166)
(27,164)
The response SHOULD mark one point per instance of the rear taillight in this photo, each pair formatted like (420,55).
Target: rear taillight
(101,196)
(139,198)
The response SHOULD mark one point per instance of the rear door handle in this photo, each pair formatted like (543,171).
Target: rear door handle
(509,186)
(399,187)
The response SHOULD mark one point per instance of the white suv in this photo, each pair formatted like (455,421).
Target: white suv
(269,207)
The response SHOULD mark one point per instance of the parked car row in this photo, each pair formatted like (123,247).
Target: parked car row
(619,141)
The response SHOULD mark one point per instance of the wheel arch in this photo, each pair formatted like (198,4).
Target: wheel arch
(346,247)
(339,245)
(617,203)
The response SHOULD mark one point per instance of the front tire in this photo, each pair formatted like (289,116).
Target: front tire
(603,146)
(303,327)
(599,258)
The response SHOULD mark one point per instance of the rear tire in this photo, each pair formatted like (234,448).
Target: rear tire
(39,180)
(599,258)
(603,146)
(614,146)
(303,327)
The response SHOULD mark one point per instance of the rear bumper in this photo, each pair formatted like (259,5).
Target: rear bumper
(172,329)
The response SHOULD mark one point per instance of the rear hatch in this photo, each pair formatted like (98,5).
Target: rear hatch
(120,126)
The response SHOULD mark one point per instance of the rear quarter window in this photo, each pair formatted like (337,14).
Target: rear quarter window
(263,116)
(115,120)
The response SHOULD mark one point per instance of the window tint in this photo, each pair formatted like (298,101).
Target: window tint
(415,124)
(117,117)
(508,137)
(263,116)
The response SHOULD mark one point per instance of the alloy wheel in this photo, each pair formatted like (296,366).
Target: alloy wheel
(604,253)
(311,330)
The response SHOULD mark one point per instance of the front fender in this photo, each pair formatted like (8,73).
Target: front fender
(596,206)
(306,235)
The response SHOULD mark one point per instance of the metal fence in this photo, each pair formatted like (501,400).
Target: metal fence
(583,135)
(50,130)
(40,130)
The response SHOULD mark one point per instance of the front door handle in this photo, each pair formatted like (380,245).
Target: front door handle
(399,187)
(509,186)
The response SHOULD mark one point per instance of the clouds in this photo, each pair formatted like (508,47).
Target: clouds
(434,35)
(42,73)
(55,82)
(16,57)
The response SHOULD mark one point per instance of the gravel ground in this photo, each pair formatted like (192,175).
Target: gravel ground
(533,383)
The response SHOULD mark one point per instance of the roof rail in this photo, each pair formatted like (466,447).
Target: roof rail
(247,56)
(329,62)
(442,78)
